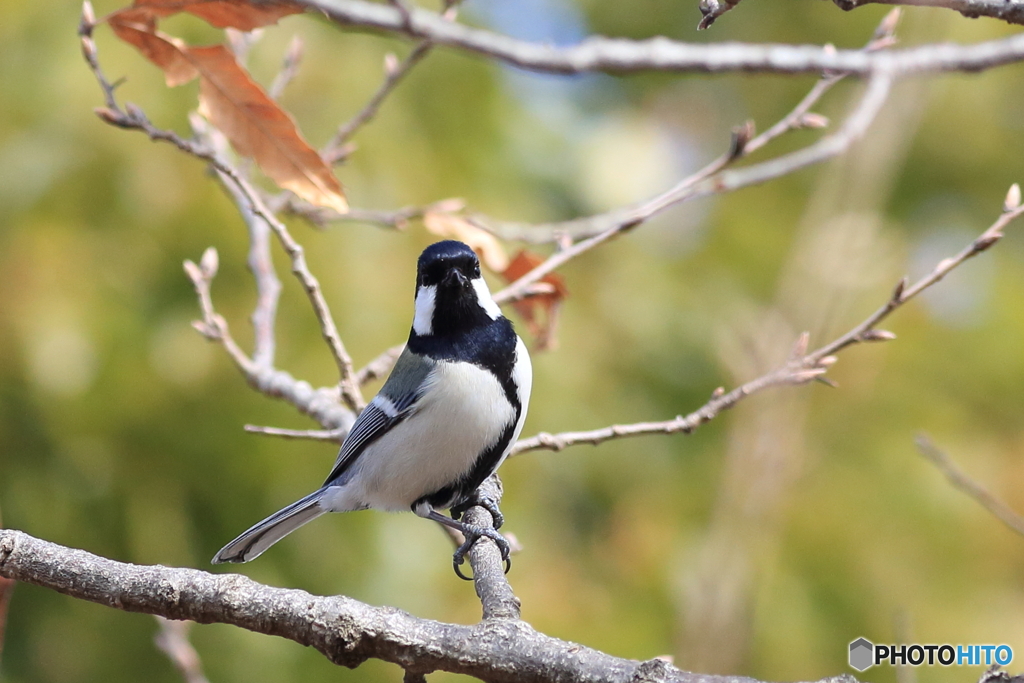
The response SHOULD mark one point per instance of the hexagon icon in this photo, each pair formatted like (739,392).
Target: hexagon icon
(862,654)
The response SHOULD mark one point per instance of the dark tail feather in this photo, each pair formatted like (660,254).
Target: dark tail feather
(252,542)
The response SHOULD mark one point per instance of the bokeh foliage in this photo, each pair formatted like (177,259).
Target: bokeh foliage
(120,428)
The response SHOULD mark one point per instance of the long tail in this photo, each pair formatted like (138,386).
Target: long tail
(253,541)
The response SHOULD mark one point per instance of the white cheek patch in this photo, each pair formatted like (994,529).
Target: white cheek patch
(483,297)
(423,320)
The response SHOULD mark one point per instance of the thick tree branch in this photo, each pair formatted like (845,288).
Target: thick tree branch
(346,631)
(960,479)
(618,55)
(1010,11)
(802,366)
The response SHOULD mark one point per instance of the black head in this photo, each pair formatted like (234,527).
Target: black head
(451,296)
(446,260)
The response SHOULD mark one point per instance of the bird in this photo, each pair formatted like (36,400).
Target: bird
(444,420)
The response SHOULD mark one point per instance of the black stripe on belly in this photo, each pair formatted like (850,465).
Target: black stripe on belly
(463,489)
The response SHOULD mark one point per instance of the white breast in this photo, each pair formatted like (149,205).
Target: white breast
(463,411)
(522,375)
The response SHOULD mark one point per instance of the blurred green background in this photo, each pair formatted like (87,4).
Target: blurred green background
(760,545)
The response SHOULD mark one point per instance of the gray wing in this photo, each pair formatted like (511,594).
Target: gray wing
(393,403)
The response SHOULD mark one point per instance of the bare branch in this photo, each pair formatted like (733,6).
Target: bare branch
(320,404)
(826,148)
(618,55)
(960,479)
(259,261)
(1010,11)
(172,639)
(133,118)
(321,216)
(394,73)
(901,294)
(743,144)
(346,631)
(802,366)
(496,596)
(381,365)
(289,68)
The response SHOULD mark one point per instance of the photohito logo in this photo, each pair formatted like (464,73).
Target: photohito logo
(864,654)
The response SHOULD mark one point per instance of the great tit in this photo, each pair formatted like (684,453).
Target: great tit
(443,422)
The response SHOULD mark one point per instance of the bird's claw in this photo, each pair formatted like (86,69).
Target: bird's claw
(473,534)
(487,503)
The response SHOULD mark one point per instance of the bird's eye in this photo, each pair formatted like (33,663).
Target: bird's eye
(476,270)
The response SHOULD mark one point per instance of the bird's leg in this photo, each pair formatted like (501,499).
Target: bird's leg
(472,533)
(483,500)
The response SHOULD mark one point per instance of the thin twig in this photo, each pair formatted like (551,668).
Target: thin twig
(335,435)
(213,326)
(380,366)
(902,294)
(133,118)
(337,150)
(802,367)
(320,404)
(320,216)
(394,73)
(289,68)
(826,148)
(716,177)
(259,261)
(172,639)
(960,479)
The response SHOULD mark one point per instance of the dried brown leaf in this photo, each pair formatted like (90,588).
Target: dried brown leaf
(529,309)
(259,129)
(486,245)
(245,15)
(234,103)
(138,28)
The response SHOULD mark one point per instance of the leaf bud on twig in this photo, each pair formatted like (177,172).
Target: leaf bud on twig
(1012,200)
(897,292)
(877,335)
(209,263)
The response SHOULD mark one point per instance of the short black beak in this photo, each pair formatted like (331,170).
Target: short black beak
(455,278)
